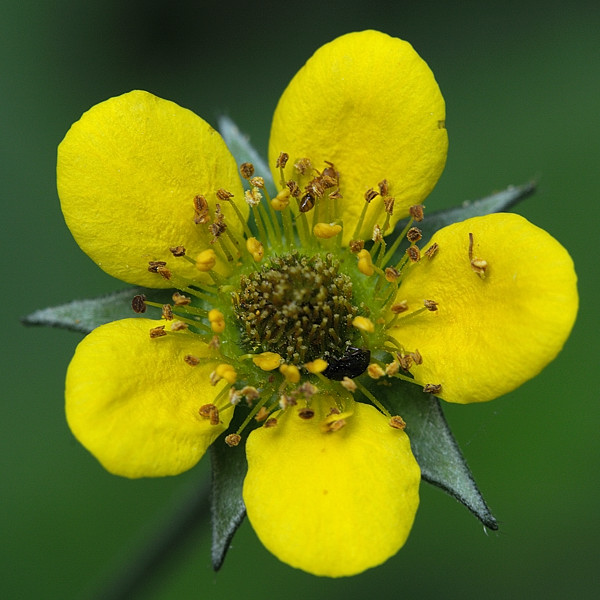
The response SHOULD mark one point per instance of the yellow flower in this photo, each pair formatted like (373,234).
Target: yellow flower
(270,288)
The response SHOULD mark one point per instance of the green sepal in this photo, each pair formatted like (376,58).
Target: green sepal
(434,447)
(85,315)
(498,202)
(239,145)
(229,468)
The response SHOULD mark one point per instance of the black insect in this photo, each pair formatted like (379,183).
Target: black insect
(307,203)
(353,363)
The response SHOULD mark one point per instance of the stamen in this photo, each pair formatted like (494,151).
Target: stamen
(255,248)
(397,422)
(478,265)
(290,372)
(191,360)
(414,254)
(375,371)
(326,230)
(247,170)
(432,388)
(233,439)
(179,325)
(211,412)
(272,422)
(363,324)
(157,332)
(430,305)
(180,299)
(348,384)
(267,361)
(431,251)
(202,215)
(417,212)
(282,200)
(316,366)
(223,371)
(306,413)
(217,320)
(282,160)
(413,235)
(177,251)
(139,304)
(167,312)
(365,263)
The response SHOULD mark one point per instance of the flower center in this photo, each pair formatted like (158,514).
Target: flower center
(299,307)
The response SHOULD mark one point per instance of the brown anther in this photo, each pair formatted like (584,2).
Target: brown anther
(405,361)
(397,422)
(307,203)
(388,203)
(383,187)
(224,196)
(285,401)
(348,384)
(157,332)
(272,422)
(416,212)
(336,195)
(391,274)
(416,356)
(211,412)
(307,389)
(303,165)
(315,187)
(430,305)
(478,265)
(164,273)
(154,265)
(177,251)
(138,303)
(179,326)
(370,195)
(180,299)
(262,414)
(430,252)
(333,411)
(214,343)
(377,234)
(331,172)
(191,360)
(258,182)
(282,160)
(414,254)
(399,307)
(413,235)
(219,226)
(233,439)
(356,246)
(201,207)
(432,388)
(250,393)
(392,368)
(167,312)
(294,188)
(247,170)
(306,413)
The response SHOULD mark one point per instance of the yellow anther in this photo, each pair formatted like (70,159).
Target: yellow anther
(290,372)
(316,366)
(267,361)
(253,196)
(206,260)
(226,372)
(326,230)
(365,264)
(258,182)
(217,320)
(282,200)
(255,248)
(363,324)
(375,371)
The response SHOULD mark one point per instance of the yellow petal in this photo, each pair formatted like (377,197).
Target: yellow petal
(133,402)
(128,172)
(368,103)
(489,335)
(333,503)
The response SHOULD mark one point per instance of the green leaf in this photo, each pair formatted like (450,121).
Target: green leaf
(498,202)
(85,315)
(441,461)
(239,145)
(229,468)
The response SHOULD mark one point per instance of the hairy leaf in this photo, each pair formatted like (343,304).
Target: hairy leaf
(85,315)
(441,461)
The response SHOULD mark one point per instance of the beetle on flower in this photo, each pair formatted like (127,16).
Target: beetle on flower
(293,308)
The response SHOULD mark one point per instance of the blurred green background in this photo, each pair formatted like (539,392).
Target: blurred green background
(522,86)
